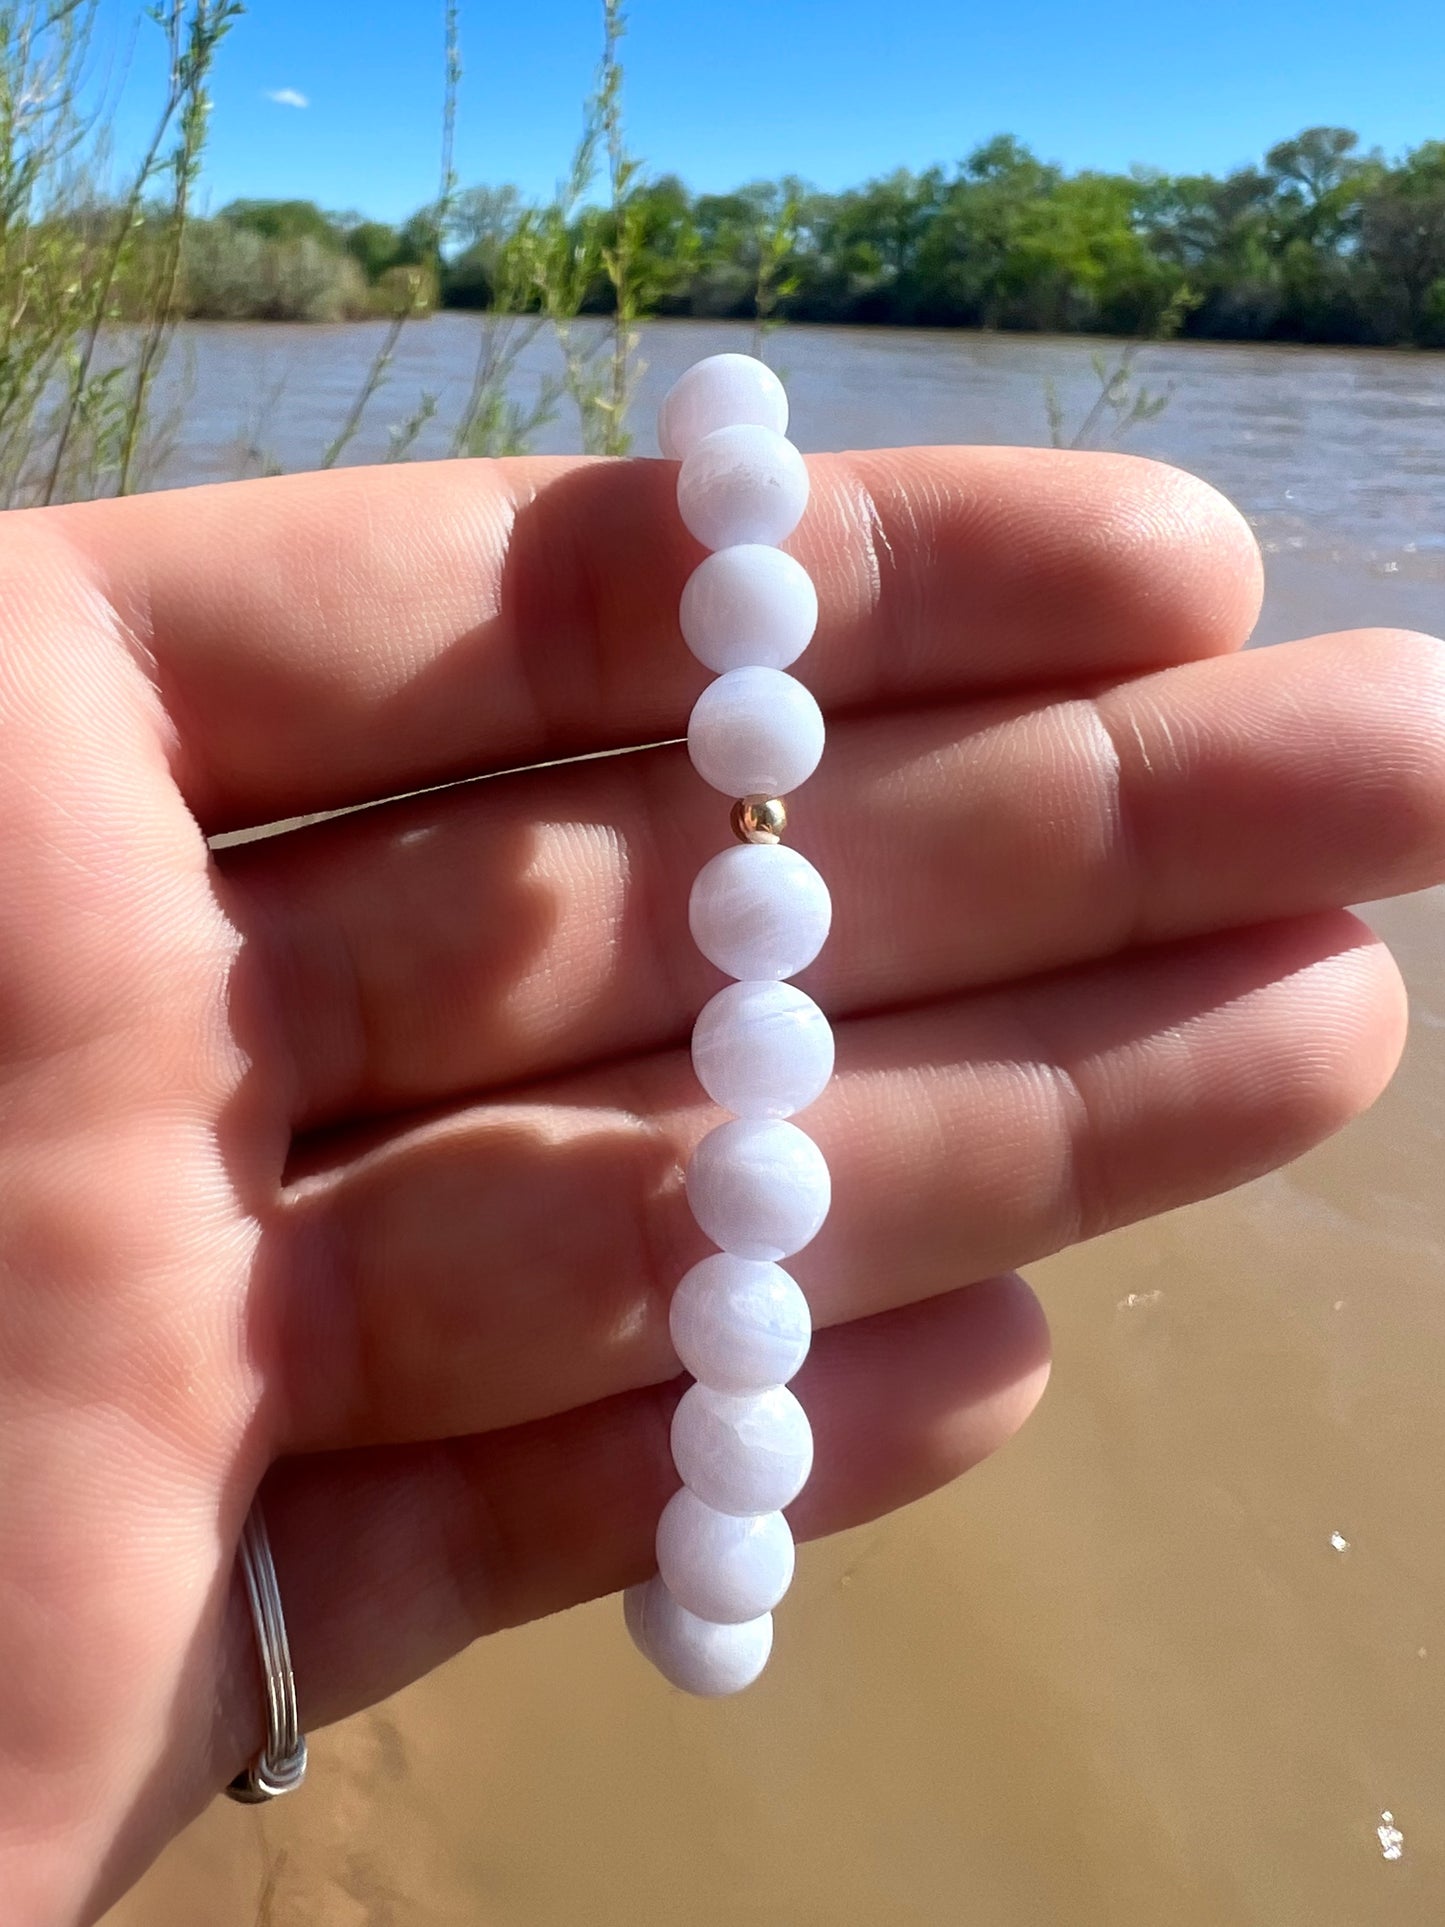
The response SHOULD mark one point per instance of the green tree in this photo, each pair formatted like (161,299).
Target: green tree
(1315,171)
(1402,247)
(375,246)
(283,221)
(1319,242)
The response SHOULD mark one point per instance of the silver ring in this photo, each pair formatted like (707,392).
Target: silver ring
(280,1766)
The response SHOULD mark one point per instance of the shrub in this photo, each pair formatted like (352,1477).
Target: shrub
(233,273)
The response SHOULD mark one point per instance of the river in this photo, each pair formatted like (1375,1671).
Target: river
(1176,1655)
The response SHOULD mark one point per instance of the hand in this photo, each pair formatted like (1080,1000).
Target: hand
(358,1149)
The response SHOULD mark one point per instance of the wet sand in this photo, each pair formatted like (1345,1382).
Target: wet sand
(1174,1654)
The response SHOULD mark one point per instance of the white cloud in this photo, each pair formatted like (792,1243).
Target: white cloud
(287,97)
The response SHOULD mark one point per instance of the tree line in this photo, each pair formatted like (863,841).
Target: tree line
(1321,242)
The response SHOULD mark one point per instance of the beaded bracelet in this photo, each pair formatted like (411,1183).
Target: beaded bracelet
(758,1187)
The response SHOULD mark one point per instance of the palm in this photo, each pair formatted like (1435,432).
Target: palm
(358,1149)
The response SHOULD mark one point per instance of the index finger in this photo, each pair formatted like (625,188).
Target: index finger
(334,638)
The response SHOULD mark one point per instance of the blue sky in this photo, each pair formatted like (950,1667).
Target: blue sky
(722,91)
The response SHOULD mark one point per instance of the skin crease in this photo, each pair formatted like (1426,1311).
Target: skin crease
(308,1147)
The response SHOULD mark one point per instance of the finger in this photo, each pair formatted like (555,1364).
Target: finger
(389,1561)
(320,639)
(514,929)
(504,1264)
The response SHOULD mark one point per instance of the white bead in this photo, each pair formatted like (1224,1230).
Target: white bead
(721,1567)
(693,1653)
(748,605)
(740,1324)
(755,732)
(744,1455)
(719,392)
(743,484)
(759,1188)
(760,910)
(762,1049)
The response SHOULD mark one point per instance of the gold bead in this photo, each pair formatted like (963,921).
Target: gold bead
(759,819)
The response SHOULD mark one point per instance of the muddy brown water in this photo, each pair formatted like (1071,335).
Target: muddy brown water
(1177,1655)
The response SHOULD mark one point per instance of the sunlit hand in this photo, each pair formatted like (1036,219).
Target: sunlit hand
(359,1148)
